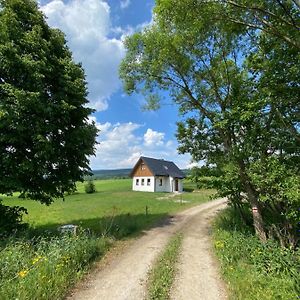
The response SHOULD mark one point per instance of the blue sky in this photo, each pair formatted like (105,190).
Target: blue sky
(95,31)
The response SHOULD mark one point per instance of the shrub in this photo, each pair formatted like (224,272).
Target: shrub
(90,187)
(11,219)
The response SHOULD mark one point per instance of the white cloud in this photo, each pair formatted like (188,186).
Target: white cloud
(87,26)
(153,138)
(120,146)
(125,3)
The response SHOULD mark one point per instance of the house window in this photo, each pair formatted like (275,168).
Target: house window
(137,182)
(160,181)
(148,181)
(143,166)
(143,181)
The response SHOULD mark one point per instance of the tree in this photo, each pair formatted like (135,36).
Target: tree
(45,135)
(217,72)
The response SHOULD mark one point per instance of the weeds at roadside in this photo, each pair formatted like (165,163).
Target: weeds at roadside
(254,270)
(42,268)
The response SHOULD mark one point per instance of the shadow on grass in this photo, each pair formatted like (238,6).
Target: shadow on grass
(188,189)
(116,226)
(230,220)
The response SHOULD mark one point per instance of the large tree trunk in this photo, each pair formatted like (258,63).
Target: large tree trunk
(256,209)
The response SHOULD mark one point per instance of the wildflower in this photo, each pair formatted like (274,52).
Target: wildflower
(219,245)
(36,259)
(23,273)
(66,258)
(59,266)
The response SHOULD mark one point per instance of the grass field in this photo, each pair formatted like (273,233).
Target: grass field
(52,263)
(114,202)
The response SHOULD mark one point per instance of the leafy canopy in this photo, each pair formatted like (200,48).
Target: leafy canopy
(232,67)
(45,135)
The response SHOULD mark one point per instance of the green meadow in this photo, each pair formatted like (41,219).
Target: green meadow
(114,203)
(53,262)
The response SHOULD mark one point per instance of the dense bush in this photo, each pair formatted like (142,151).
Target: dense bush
(252,269)
(49,264)
(90,187)
(11,219)
(205,177)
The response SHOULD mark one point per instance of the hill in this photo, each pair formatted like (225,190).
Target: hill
(106,174)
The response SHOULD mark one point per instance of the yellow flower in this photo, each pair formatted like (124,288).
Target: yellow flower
(36,259)
(219,245)
(23,273)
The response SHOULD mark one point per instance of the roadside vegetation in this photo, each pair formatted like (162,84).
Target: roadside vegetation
(43,267)
(42,257)
(163,273)
(254,270)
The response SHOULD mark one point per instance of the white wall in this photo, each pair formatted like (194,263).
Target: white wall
(165,187)
(168,184)
(145,187)
(180,185)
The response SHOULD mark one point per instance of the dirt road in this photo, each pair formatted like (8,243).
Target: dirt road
(124,278)
(198,275)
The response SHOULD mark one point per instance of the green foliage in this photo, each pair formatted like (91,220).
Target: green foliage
(89,187)
(56,262)
(204,177)
(11,219)
(163,273)
(233,76)
(254,270)
(279,188)
(45,136)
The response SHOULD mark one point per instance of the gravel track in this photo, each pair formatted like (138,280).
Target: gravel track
(125,276)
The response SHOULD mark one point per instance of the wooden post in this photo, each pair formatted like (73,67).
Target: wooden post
(146,210)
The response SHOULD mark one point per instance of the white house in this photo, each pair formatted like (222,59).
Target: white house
(156,175)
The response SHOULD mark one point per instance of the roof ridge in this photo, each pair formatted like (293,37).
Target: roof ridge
(159,159)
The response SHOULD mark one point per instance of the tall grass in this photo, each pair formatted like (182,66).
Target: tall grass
(43,267)
(254,270)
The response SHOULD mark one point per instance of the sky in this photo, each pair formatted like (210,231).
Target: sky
(95,31)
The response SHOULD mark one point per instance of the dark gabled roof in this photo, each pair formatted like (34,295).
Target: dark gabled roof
(160,167)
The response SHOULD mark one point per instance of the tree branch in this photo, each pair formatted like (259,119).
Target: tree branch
(297,3)
(188,91)
(267,12)
(254,26)
(288,13)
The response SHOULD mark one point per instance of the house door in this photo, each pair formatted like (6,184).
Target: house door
(176,185)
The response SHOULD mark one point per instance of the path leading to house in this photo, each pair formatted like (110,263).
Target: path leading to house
(125,276)
(198,277)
